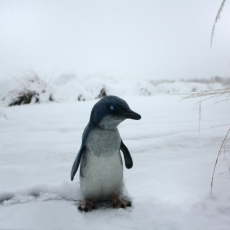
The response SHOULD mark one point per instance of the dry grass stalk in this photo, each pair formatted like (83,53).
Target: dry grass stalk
(218,92)
(217,18)
(211,94)
(220,125)
(223,142)
(208,95)
(199,114)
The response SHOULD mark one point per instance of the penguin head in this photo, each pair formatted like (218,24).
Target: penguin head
(110,111)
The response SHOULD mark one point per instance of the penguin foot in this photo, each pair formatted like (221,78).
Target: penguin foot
(86,205)
(120,203)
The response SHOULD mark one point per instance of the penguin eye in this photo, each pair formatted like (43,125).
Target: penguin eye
(111,107)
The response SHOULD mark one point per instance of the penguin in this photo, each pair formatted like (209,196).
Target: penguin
(99,157)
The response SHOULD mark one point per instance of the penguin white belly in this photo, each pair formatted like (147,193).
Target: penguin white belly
(101,174)
(103,177)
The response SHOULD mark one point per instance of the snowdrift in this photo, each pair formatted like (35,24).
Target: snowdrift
(31,89)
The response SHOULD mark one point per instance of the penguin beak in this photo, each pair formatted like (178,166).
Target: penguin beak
(131,114)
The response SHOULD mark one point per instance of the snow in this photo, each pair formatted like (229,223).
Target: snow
(12,88)
(169,183)
(76,87)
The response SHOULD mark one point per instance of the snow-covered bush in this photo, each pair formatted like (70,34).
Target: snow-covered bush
(28,89)
(70,87)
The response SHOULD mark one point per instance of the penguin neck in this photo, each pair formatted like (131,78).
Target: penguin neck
(108,122)
(104,126)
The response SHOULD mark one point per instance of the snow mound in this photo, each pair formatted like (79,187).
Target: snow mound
(73,88)
(130,87)
(183,87)
(31,89)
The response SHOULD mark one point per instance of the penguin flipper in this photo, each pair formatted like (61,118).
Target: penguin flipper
(127,156)
(76,163)
(78,157)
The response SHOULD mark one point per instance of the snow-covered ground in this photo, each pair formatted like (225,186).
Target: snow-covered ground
(169,183)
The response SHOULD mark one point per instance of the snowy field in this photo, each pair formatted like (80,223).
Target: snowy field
(169,183)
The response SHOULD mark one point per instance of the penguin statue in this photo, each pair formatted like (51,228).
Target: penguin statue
(101,170)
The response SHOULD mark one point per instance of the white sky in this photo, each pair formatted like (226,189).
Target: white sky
(123,38)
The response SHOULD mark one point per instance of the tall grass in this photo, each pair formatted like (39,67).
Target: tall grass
(216,20)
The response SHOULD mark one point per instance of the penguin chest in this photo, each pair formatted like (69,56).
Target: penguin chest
(104,142)
(101,167)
